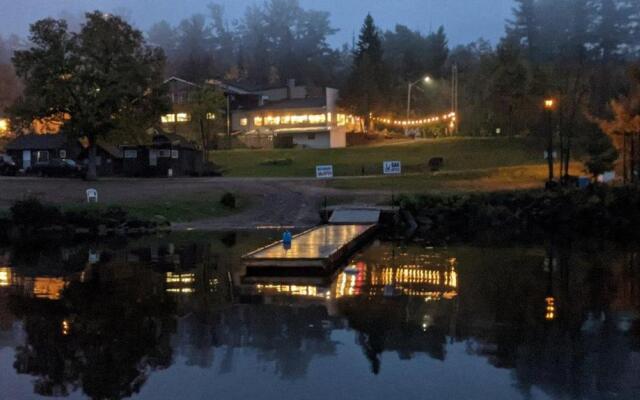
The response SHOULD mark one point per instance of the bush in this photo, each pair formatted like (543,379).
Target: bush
(597,211)
(277,162)
(33,213)
(228,200)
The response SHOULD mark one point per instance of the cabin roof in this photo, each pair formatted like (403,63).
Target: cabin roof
(40,142)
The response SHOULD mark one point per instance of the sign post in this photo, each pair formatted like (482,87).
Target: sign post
(324,171)
(392,167)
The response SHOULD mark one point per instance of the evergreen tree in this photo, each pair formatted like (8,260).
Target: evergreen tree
(524,28)
(368,83)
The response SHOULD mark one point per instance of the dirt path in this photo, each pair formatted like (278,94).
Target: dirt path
(273,201)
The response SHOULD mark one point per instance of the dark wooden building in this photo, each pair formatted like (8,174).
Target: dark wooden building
(108,159)
(27,150)
(167,155)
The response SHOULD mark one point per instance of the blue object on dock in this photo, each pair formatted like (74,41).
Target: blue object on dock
(286,239)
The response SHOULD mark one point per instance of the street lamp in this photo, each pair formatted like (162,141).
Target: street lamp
(426,79)
(549,106)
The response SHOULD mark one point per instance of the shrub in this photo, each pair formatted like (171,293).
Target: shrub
(33,213)
(228,200)
(277,162)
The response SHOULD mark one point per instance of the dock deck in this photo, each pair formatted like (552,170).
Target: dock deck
(318,247)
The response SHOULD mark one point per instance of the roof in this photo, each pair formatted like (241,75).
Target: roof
(111,149)
(312,102)
(180,80)
(38,142)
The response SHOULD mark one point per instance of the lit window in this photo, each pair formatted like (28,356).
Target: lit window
(168,118)
(286,120)
(257,121)
(317,119)
(244,121)
(299,119)
(42,156)
(272,120)
(341,119)
(4,125)
(211,116)
(183,117)
(329,117)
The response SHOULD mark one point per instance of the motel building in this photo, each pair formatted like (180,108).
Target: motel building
(272,117)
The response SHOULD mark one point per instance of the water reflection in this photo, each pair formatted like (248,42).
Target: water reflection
(563,321)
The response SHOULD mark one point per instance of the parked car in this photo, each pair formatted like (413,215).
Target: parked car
(57,167)
(7,165)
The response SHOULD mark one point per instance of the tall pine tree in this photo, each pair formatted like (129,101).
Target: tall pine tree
(368,83)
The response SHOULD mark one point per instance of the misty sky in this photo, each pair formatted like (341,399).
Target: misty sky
(464,20)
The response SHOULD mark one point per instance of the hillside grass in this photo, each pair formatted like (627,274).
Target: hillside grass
(460,154)
(175,208)
(475,180)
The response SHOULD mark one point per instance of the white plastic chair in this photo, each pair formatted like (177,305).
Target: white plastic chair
(92,195)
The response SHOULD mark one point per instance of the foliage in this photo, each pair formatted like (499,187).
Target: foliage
(624,127)
(98,80)
(273,42)
(208,115)
(228,200)
(598,211)
(31,212)
(601,154)
(368,82)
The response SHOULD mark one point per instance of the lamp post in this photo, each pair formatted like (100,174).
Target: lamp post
(425,79)
(549,105)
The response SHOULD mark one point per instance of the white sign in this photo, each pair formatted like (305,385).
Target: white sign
(607,177)
(324,171)
(392,167)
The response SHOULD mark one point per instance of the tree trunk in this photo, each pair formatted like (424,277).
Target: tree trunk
(92,174)
(633,159)
(567,155)
(205,141)
(625,175)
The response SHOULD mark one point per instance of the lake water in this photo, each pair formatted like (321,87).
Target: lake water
(177,317)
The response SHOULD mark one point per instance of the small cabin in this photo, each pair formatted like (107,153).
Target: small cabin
(27,150)
(167,155)
(108,158)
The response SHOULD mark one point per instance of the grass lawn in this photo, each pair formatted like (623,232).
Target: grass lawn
(178,209)
(459,153)
(487,180)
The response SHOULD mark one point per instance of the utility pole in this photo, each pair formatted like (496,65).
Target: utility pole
(229,120)
(454,95)
(425,79)
(549,105)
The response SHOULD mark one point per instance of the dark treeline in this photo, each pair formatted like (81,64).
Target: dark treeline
(577,51)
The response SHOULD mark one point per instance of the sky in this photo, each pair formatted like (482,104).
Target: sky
(464,20)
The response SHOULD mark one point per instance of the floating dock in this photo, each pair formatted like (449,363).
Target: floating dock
(319,247)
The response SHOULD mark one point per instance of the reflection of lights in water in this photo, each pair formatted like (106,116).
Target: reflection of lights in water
(180,278)
(180,290)
(293,290)
(427,321)
(48,288)
(550,313)
(5,276)
(66,327)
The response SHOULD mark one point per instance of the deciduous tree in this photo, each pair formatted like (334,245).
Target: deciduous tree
(99,78)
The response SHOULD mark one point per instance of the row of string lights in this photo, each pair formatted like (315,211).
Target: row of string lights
(450,117)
